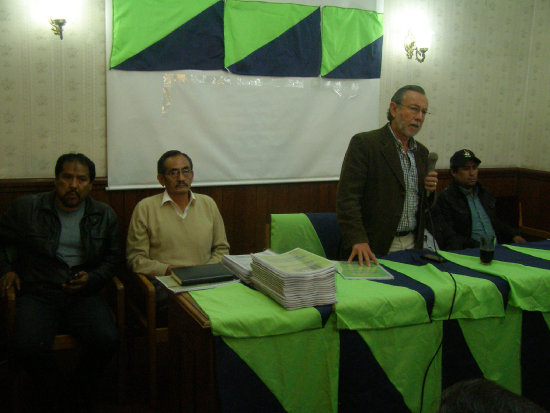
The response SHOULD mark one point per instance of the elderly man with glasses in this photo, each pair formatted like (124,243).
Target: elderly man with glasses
(177,227)
(384,183)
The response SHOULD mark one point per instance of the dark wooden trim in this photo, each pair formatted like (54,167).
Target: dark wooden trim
(246,208)
(534,194)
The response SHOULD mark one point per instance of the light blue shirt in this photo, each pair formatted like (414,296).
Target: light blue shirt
(481,223)
(70,247)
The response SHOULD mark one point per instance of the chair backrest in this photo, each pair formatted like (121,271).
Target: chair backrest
(318,233)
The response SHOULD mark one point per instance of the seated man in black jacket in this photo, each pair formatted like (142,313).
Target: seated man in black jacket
(66,247)
(465,210)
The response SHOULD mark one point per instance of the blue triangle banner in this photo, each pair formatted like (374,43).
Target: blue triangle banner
(297,52)
(365,64)
(197,44)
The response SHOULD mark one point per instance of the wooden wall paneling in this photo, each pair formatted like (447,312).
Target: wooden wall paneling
(534,194)
(246,208)
(501,181)
(126,201)
(14,188)
(116,200)
(443,179)
(215,192)
(503,185)
(303,198)
(238,210)
(263,208)
(277,198)
(252,215)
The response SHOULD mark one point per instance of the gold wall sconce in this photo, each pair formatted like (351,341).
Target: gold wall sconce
(417,46)
(57,27)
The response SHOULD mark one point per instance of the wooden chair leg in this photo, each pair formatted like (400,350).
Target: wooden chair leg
(15,384)
(152,355)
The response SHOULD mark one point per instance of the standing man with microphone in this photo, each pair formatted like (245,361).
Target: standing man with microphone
(385,182)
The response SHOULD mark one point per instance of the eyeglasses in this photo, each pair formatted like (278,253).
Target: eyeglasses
(415,109)
(175,173)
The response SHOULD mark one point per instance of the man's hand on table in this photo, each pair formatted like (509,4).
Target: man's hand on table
(363,253)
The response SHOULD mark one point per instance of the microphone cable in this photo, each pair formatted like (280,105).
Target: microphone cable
(448,317)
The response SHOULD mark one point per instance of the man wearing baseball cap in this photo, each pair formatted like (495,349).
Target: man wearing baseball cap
(468,207)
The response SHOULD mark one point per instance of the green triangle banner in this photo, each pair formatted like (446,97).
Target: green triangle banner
(138,25)
(249,25)
(345,32)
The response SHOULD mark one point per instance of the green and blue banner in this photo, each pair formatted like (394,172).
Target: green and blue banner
(272,39)
(352,43)
(167,35)
(247,38)
(239,85)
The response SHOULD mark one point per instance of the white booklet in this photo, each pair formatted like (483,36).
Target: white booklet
(354,271)
(240,264)
(294,263)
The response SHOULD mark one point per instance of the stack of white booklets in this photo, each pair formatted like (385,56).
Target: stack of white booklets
(240,264)
(295,279)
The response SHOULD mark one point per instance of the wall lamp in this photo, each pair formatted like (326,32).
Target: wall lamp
(418,45)
(57,27)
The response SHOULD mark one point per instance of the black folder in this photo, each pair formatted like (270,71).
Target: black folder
(202,274)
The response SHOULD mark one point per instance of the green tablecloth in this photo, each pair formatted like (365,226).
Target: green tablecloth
(290,351)
(238,311)
(297,358)
(474,298)
(529,286)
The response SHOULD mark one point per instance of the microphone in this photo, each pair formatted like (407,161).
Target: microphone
(432,160)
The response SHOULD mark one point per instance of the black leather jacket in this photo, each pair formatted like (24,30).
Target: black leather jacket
(453,219)
(31,228)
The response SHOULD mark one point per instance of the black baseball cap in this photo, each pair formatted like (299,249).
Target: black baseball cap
(462,156)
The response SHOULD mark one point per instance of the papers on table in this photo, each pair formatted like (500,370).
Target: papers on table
(354,271)
(295,279)
(173,286)
(240,264)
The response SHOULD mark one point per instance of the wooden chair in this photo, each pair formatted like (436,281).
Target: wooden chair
(114,295)
(141,302)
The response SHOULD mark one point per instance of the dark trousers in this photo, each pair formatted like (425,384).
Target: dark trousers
(40,318)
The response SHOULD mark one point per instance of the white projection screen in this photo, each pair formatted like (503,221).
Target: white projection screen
(237,129)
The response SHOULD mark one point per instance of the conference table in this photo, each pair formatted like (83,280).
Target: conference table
(389,345)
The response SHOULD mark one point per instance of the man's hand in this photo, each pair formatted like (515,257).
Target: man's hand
(430,182)
(519,238)
(7,280)
(77,283)
(363,253)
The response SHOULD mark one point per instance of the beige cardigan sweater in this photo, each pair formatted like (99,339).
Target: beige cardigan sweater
(158,237)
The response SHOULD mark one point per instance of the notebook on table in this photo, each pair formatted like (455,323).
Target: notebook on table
(201,274)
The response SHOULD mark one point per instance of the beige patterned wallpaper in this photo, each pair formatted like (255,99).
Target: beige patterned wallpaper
(486,75)
(52,91)
(535,128)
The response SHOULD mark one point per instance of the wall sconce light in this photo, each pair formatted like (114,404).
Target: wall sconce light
(57,27)
(418,45)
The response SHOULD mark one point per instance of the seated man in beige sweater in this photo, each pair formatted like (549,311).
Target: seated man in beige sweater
(175,228)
